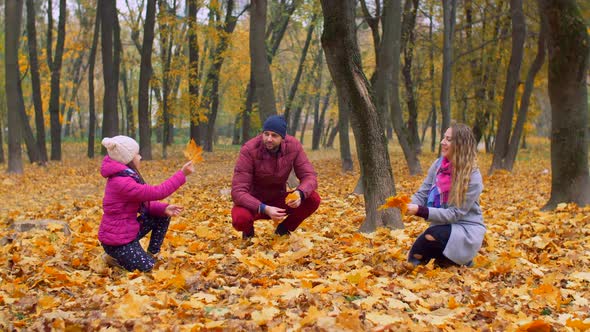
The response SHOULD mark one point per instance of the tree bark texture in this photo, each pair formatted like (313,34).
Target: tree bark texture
(259,61)
(13,14)
(568,48)
(343,58)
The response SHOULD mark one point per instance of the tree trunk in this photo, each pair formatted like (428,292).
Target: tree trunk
(525,98)
(131,132)
(145,74)
(411,100)
(36,82)
(259,61)
(12,16)
(27,132)
(343,58)
(391,48)
(110,120)
(568,48)
(317,125)
(55,67)
(211,90)
(449,10)
(295,85)
(91,62)
(344,138)
(193,60)
(512,79)
(2,159)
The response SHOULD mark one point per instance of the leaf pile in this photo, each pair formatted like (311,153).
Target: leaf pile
(532,271)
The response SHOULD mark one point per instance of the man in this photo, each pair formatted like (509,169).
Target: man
(260,181)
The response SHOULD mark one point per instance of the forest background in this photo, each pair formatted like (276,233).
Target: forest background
(194,77)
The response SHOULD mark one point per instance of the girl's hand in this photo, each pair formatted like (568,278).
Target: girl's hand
(173,210)
(412,209)
(295,203)
(275,213)
(188,168)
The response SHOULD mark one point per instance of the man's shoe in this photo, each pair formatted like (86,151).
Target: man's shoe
(248,235)
(282,230)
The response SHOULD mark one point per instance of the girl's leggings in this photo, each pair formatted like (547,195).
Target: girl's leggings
(131,256)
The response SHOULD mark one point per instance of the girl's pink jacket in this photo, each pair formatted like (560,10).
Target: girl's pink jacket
(122,199)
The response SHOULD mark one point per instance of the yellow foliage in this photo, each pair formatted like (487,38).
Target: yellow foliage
(398,201)
(193,152)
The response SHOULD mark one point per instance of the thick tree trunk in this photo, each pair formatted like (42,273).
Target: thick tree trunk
(91,62)
(36,82)
(2,158)
(449,10)
(55,67)
(568,48)
(408,51)
(259,61)
(343,58)
(145,74)
(525,99)
(12,16)
(512,79)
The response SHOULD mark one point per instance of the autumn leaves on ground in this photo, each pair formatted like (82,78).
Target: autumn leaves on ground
(533,270)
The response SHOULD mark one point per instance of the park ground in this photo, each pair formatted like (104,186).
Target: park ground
(532,271)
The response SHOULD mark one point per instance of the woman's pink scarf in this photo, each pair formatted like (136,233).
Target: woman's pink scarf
(444,180)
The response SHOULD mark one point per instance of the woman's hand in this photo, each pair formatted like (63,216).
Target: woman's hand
(412,209)
(173,210)
(188,168)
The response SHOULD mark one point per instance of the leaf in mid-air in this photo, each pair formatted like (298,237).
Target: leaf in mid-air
(193,152)
(397,201)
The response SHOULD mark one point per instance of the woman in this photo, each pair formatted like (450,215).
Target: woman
(130,206)
(449,200)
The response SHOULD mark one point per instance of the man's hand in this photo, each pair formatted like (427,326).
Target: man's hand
(412,209)
(173,210)
(275,213)
(294,203)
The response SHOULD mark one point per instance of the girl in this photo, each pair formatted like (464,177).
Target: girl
(125,196)
(449,200)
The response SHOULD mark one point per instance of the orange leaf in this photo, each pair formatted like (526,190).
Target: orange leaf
(292,197)
(397,201)
(580,325)
(193,152)
(452,303)
(536,326)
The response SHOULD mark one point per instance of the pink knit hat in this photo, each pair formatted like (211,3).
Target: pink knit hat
(121,148)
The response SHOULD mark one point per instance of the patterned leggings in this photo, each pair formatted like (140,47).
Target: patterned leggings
(131,256)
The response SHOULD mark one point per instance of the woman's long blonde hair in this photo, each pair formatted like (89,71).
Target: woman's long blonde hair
(464,161)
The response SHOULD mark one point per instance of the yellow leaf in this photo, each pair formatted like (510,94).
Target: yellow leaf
(293,196)
(452,303)
(397,201)
(193,152)
(312,316)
